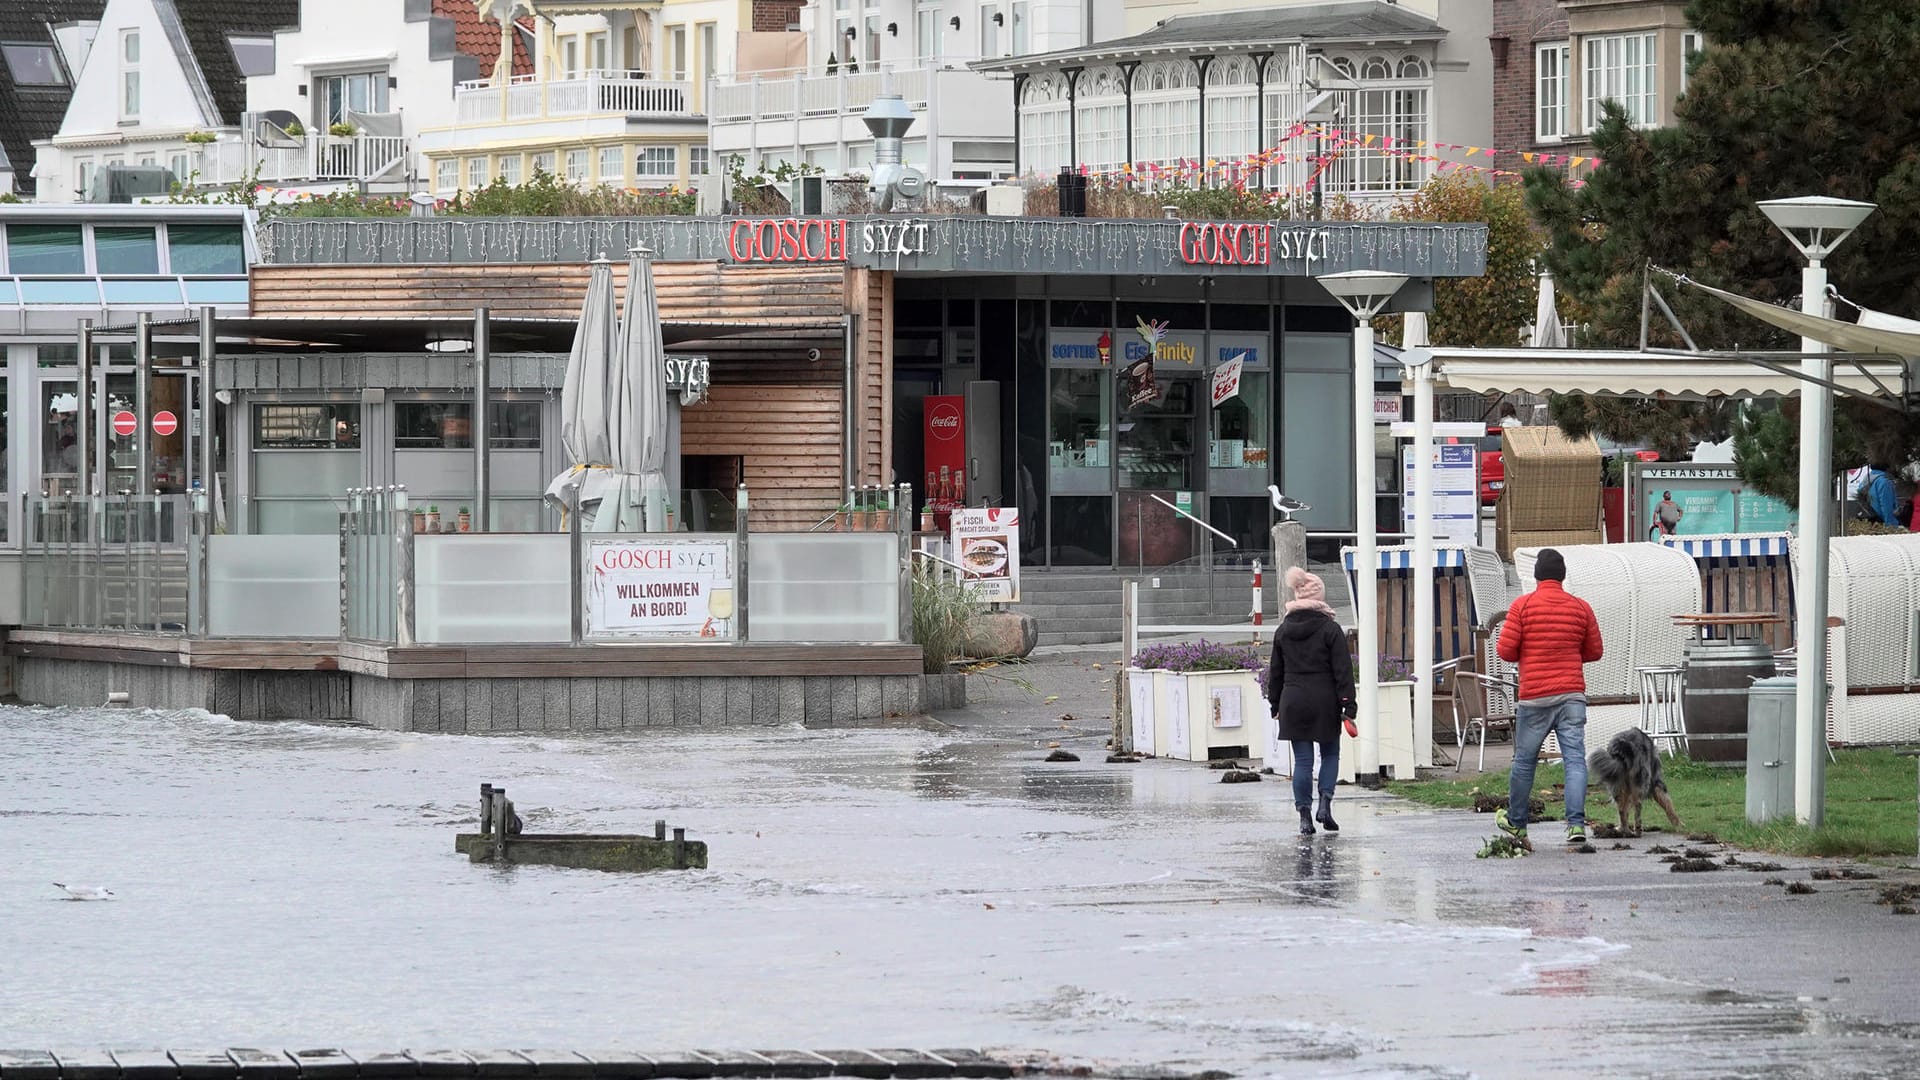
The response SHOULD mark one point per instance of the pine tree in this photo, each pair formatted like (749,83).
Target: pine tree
(1790,97)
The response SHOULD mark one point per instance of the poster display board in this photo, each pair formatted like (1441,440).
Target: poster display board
(1700,499)
(986,541)
(1456,492)
(646,588)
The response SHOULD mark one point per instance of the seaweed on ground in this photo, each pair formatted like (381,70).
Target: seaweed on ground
(1693,866)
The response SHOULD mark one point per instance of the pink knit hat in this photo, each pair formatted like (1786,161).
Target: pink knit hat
(1305,585)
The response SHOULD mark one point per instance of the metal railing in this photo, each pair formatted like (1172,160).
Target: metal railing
(108,561)
(771,96)
(529,98)
(315,156)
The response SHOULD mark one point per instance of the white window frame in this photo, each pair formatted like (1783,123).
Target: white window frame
(1623,68)
(446,176)
(655,164)
(707,39)
(180,163)
(677,52)
(617,157)
(130,75)
(83,175)
(476,173)
(699,160)
(928,19)
(570,57)
(1019,28)
(577,163)
(1551,82)
(542,162)
(990,33)
(599,51)
(1691,42)
(874,26)
(507,168)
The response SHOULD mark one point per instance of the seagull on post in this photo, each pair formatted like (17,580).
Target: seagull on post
(1284,504)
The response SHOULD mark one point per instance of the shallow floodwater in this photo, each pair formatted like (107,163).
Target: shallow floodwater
(293,886)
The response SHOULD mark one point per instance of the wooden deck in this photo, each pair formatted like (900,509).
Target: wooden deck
(465,661)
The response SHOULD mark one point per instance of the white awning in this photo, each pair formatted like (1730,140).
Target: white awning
(1879,334)
(1636,374)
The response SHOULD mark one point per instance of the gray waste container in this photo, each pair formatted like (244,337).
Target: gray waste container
(1770,749)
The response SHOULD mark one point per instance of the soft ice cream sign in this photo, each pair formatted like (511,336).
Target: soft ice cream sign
(660,589)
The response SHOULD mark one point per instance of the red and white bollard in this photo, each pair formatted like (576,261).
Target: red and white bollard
(1256,597)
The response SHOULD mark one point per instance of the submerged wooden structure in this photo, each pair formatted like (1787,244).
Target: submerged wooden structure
(500,840)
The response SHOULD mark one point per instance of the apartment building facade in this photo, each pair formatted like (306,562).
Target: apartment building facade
(1555,61)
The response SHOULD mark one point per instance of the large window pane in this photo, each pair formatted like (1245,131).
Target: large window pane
(448,425)
(45,249)
(59,433)
(206,249)
(1316,428)
(1238,427)
(1156,438)
(306,427)
(1079,428)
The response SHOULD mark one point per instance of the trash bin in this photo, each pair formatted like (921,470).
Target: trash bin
(1770,749)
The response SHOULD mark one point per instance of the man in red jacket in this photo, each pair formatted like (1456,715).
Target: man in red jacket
(1552,635)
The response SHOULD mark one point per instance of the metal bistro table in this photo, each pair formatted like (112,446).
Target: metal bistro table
(1728,652)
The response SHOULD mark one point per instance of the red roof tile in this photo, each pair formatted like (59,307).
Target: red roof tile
(480,38)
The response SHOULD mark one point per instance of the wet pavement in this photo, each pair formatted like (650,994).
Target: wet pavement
(292,885)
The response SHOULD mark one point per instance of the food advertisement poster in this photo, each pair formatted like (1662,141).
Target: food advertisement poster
(660,590)
(987,542)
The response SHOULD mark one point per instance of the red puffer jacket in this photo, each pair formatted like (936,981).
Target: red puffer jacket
(1551,634)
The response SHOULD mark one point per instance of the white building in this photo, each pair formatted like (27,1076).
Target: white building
(809,112)
(297,94)
(1337,97)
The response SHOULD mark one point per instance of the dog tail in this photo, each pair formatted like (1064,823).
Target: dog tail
(1606,768)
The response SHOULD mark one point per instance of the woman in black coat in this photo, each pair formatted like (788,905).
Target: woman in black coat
(1310,681)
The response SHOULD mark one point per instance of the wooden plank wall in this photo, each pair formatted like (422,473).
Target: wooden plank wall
(870,296)
(1751,583)
(788,440)
(1453,608)
(773,296)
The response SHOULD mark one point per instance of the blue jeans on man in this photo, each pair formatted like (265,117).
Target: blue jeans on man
(1532,723)
(1303,770)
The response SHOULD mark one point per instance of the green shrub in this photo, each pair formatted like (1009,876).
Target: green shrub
(943,611)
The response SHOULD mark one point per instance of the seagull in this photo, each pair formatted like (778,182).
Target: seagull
(86,892)
(1285,505)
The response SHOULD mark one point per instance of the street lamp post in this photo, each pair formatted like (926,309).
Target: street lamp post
(1816,225)
(1418,361)
(1363,293)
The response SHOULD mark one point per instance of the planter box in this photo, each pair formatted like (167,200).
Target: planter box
(1207,714)
(1399,751)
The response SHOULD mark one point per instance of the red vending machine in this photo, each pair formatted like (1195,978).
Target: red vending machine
(946,456)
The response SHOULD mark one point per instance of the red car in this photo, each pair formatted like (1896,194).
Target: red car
(1493,472)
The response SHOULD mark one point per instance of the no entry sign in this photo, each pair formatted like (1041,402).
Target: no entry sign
(125,423)
(165,423)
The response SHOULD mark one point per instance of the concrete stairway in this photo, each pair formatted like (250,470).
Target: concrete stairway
(1083,607)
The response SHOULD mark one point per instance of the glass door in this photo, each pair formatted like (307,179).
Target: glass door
(1159,445)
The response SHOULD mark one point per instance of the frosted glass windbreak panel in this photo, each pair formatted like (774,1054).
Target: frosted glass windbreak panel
(285,517)
(306,472)
(470,587)
(823,587)
(274,586)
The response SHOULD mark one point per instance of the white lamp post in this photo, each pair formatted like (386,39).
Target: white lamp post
(1418,361)
(1816,224)
(1363,293)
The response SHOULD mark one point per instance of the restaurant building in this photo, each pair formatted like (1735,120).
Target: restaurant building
(825,338)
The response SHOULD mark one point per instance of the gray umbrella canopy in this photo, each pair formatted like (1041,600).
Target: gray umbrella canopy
(637,412)
(585,404)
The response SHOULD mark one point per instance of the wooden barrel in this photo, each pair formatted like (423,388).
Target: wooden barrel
(1715,681)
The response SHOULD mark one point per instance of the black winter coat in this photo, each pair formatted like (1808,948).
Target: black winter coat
(1310,680)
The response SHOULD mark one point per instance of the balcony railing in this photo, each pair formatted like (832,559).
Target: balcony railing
(303,157)
(529,98)
(785,96)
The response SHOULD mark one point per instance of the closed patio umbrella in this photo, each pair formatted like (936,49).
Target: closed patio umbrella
(1546,318)
(584,398)
(637,412)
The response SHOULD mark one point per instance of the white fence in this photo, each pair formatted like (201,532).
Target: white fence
(529,98)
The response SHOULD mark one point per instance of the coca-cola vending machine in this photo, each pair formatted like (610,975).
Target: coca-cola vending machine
(946,456)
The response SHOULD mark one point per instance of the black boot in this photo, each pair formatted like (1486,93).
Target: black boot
(1325,817)
(1306,822)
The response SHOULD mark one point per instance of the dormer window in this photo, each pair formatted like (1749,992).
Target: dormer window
(33,65)
(254,54)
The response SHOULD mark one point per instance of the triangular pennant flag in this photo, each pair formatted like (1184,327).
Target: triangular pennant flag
(1579,161)
(1472,150)
(1527,156)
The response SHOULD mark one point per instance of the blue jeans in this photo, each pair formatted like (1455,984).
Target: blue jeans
(1567,719)
(1303,770)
